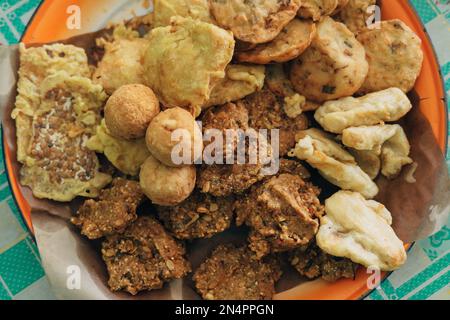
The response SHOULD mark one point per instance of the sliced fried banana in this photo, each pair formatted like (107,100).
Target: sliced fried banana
(334,66)
(387,105)
(288,45)
(388,141)
(359,229)
(395,56)
(368,160)
(333,162)
(395,154)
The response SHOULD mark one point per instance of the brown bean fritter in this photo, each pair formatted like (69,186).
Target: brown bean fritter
(200,216)
(224,117)
(265,111)
(143,258)
(232,273)
(114,210)
(294,167)
(224,180)
(227,116)
(310,261)
(282,214)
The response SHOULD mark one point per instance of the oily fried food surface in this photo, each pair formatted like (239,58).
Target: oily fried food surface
(360,230)
(282,214)
(334,66)
(356,13)
(288,45)
(311,262)
(125,155)
(112,212)
(222,179)
(56,111)
(334,163)
(233,273)
(184,61)
(256,21)
(164,10)
(200,216)
(240,81)
(395,56)
(121,64)
(374,108)
(143,258)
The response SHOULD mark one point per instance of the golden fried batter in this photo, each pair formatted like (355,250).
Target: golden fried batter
(200,216)
(121,64)
(255,21)
(227,116)
(164,10)
(232,273)
(129,111)
(395,56)
(334,66)
(315,9)
(282,214)
(56,112)
(355,14)
(288,45)
(240,81)
(143,258)
(184,61)
(112,213)
(310,261)
(224,179)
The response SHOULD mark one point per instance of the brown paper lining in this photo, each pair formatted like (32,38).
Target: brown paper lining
(417,209)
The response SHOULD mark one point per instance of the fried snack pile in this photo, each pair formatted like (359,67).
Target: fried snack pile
(318,75)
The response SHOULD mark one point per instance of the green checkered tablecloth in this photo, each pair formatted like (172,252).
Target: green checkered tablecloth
(425,276)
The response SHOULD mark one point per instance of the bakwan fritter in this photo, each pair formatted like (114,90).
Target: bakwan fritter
(234,273)
(143,257)
(184,66)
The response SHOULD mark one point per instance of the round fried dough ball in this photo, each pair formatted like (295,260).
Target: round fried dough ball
(174,128)
(129,111)
(166,186)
